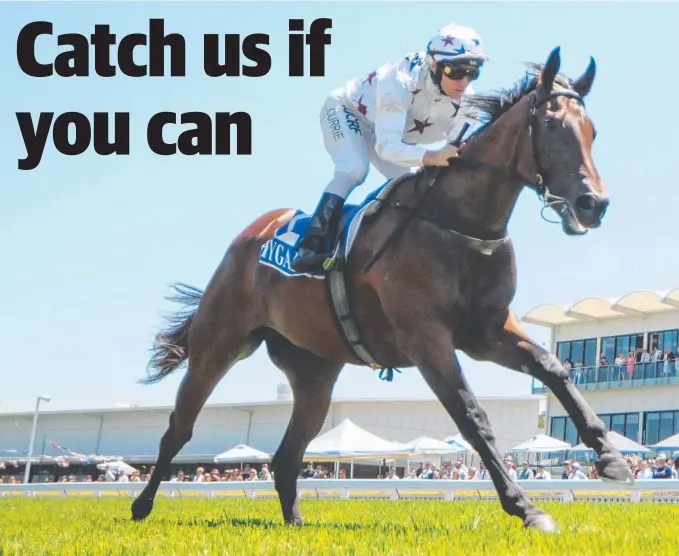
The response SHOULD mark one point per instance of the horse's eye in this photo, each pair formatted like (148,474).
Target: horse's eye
(549,123)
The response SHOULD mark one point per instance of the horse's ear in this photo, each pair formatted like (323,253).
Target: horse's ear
(550,70)
(583,84)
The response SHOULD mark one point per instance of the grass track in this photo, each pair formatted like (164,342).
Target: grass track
(34,526)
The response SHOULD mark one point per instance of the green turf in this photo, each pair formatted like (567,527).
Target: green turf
(33,526)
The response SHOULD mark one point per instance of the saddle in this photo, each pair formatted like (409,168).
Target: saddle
(281,249)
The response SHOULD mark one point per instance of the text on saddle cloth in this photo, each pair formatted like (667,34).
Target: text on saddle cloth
(279,252)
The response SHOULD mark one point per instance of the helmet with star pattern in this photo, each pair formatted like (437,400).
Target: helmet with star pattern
(452,45)
(457,43)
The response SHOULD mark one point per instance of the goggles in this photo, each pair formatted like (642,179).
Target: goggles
(456,71)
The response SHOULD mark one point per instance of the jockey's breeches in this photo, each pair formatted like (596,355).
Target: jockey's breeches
(351,145)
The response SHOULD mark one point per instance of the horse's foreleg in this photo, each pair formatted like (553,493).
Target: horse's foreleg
(311,404)
(433,352)
(511,347)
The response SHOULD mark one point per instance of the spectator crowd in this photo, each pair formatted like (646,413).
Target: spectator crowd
(660,467)
(626,366)
(656,468)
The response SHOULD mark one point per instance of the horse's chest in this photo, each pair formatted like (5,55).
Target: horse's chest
(488,283)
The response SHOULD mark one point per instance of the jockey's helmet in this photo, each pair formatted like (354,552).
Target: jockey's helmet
(452,45)
(458,44)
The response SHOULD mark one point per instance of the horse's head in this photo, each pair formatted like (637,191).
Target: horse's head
(557,155)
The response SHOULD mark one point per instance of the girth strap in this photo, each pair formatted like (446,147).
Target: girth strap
(344,318)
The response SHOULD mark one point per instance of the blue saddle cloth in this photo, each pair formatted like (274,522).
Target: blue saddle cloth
(281,250)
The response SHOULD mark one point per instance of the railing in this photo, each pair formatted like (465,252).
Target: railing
(620,376)
(661,490)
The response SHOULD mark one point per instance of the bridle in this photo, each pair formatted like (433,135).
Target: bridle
(539,185)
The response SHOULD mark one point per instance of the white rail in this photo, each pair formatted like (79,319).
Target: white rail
(566,491)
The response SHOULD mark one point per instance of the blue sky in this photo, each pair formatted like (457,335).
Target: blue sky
(90,244)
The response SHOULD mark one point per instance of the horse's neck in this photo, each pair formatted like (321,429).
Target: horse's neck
(479,200)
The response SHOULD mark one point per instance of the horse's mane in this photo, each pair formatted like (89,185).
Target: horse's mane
(488,107)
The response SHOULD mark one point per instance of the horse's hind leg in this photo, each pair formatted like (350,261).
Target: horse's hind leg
(210,358)
(511,347)
(430,348)
(312,380)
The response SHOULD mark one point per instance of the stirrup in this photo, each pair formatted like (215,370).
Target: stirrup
(334,258)
(305,261)
(325,263)
(329,262)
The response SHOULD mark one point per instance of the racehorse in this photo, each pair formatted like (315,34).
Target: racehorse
(445,283)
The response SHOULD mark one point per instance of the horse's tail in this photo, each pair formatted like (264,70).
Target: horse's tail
(171,346)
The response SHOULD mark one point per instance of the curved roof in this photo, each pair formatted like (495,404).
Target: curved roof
(637,303)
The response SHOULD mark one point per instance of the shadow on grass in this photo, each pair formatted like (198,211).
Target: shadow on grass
(262,523)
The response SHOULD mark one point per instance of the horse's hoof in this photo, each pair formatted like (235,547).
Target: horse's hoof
(141,508)
(614,469)
(294,520)
(541,522)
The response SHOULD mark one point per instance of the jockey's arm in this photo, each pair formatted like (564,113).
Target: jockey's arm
(393,101)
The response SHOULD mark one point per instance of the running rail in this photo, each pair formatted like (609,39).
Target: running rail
(659,490)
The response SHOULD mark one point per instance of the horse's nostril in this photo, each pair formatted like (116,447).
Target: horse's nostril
(592,205)
(586,202)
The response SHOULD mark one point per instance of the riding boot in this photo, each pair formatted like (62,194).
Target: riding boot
(314,248)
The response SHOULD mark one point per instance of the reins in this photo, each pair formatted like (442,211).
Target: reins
(542,190)
(428,188)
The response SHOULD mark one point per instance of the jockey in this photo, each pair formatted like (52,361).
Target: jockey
(384,117)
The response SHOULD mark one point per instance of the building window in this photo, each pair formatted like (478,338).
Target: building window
(659,425)
(563,428)
(627,424)
(611,346)
(664,339)
(582,351)
(558,428)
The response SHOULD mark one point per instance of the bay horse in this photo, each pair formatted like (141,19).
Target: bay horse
(445,284)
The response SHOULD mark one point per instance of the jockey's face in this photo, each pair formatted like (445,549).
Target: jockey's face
(455,79)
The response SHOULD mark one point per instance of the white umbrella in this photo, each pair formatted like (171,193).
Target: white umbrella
(542,443)
(242,453)
(457,439)
(117,467)
(671,443)
(426,445)
(349,441)
(622,443)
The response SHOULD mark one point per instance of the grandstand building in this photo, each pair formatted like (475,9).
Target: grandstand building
(618,351)
(134,432)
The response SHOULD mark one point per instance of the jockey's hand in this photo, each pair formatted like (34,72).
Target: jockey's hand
(440,157)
